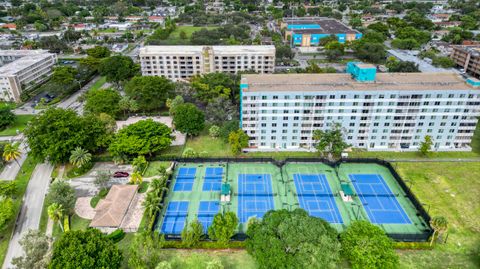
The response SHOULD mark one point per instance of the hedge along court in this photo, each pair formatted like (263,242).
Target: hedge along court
(337,192)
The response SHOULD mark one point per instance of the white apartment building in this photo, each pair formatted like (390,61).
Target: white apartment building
(183,62)
(23,69)
(385,111)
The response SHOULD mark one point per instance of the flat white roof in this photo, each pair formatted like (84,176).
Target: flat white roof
(28,58)
(251,49)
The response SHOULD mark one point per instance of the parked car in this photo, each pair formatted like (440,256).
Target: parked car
(120,174)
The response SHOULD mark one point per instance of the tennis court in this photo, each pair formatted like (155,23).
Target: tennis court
(185,179)
(379,201)
(316,197)
(175,217)
(206,212)
(255,196)
(213,179)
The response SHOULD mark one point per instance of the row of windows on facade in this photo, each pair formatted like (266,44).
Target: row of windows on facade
(160,63)
(351,131)
(198,57)
(365,104)
(422,117)
(372,145)
(199,67)
(406,138)
(357,96)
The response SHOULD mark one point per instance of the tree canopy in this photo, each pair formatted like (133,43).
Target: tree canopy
(330,142)
(223,227)
(149,92)
(64,75)
(6,117)
(85,249)
(292,239)
(145,137)
(102,101)
(367,246)
(214,85)
(56,132)
(61,193)
(189,119)
(118,68)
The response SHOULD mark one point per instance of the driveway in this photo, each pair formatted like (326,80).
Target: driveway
(31,211)
(85,185)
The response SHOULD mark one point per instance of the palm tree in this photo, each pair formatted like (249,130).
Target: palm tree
(11,152)
(151,204)
(79,157)
(136,178)
(55,212)
(439,225)
(157,185)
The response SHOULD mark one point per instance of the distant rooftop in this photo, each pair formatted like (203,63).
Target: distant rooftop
(328,82)
(325,25)
(25,58)
(199,49)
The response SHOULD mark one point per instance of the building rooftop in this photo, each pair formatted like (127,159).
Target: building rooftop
(345,82)
(111,210)
(26,59)
(200,48)
(319,25)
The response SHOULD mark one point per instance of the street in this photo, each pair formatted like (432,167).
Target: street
(11,169)
(31,211)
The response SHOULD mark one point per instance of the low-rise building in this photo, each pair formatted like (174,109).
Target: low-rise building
(384,111)
(467,57)
(183,62)
(23,69)
(309,31)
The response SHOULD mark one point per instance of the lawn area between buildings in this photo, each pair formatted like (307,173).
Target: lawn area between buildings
(175,39)
(19,124)
(99,83)
(22,181)
(452,190)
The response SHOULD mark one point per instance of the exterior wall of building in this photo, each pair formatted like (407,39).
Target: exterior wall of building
(468,59)
(389,120)
(314,39)
(183,65)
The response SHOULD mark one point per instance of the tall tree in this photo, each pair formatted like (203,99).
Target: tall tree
(223,227)
(192,233)
(55,213)
(330,142)
(149,92)
(426,145)
(99,52)
(145,137)
(118,68)
(136,178)
(146,250)
(61,193)
(79,157)
(85,249)
(37,251)
(64,75)
(365,245)
(237,140)
(103,101)
(7,211)
(292,239)
(189,119)
(11,152)
(334,50)
(7,117)
(56,132)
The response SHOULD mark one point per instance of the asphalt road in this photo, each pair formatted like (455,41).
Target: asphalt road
(11,169)
(31,211)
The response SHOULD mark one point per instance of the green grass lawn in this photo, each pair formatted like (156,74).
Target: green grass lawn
(207,146)
(152,169)
(452,190)
(19,124)
(174,38)
(76,224)
(22,181)
(99,83)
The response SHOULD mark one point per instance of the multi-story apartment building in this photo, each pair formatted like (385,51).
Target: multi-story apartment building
(467,57)
(23,69)
(308,31)
(384,111)
(183,62)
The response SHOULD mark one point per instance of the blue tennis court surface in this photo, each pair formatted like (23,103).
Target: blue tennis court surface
(316,197)
(206,212)
(185,179)
(175,217)
(213,179)
(255,195)
(378,200)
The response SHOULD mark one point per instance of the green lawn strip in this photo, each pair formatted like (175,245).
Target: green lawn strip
(44,219)
(95,199)
(199,258)
(22,181)
(99,83)
(76,224)
(412,155)
(208,146)
(19,124)
(449,189)
(152,169)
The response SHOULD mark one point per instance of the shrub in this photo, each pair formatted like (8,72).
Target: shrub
(116,236)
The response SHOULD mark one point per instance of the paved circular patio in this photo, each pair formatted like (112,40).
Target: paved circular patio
(83,208)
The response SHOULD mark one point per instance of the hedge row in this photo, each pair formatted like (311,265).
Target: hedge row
(206,245)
